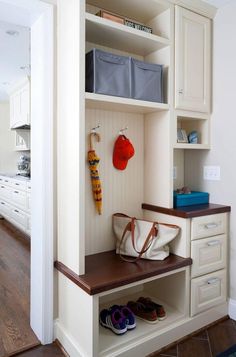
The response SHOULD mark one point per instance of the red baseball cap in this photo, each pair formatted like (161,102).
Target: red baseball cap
(123,151)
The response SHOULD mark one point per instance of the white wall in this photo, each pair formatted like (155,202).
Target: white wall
(8,157)
(223,141)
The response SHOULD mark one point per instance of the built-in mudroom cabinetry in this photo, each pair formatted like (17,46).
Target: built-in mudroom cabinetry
(191,282)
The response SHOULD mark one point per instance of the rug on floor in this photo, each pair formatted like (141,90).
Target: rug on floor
(231,352)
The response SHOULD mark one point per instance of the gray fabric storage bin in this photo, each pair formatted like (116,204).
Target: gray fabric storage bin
(146,81)
(107,73)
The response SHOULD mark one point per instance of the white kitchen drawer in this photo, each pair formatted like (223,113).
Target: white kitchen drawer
(207,226)
(19,198)
(28,201)
(208,291)
(5,191)
(19,184)
(5,208)
(19,217)
(208,254)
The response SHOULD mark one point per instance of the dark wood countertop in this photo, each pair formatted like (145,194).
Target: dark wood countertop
(189,211)
(106,271)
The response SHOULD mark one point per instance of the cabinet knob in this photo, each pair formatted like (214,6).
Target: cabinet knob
(213,281)
(181,91)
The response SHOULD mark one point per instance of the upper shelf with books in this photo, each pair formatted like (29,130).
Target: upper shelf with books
(139,10)
(114,35)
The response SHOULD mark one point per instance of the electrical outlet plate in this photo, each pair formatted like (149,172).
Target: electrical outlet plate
(211,173)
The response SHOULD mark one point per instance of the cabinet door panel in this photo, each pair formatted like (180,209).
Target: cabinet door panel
(193,61)
(208,291)
(208,254)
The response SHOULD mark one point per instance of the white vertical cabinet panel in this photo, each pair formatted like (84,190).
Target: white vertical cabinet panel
(193,61)
(122,191)
(158,160)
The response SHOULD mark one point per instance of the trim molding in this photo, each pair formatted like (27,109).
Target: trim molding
(232,309)
(69,344)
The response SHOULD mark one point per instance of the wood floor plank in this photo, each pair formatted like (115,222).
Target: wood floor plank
(194,348)
(16,334)
(51,350)
(222,336)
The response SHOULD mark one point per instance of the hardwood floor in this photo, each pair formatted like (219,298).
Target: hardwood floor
(15,331)
(208,343)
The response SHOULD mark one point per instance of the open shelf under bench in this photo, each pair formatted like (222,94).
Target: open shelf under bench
(106,271)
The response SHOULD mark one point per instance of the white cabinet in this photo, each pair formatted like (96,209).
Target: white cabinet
(20,105)
(208,291)
(193,61)
(22,140)
(15,202)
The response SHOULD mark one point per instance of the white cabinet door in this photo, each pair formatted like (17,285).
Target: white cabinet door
(193,61)
(25,104)
(20,106)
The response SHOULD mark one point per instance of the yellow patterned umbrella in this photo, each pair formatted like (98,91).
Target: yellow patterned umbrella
(93,160)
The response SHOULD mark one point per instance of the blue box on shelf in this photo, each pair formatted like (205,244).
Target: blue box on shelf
(190,199)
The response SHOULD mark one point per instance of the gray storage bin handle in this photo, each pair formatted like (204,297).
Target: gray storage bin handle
(111,59)
(148,67)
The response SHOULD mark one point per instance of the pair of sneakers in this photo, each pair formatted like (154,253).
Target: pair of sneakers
(117,318)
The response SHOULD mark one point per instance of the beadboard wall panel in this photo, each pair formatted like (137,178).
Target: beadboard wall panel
(123,191)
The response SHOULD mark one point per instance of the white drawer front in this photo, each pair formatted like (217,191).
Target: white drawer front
(19,217)
(19,198)
(208,291)
(5,208)
(5,191)
(28,201)
(18,184)
(207,226)
(208,254)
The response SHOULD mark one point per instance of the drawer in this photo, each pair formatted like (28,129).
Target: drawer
(28,201)
(5,191)
(19,198)
(208,291)
(208,254)
(207,226)
(19,217)
(18,184)
(5,208)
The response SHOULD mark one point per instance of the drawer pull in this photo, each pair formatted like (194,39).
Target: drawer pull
(213,281)
(16,191)
(213,242)
(2,203)
(211,225)
(17,184)
(2,187)
(15,210)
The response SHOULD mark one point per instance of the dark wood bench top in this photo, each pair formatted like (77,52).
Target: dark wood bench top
(189,211)
(105,271)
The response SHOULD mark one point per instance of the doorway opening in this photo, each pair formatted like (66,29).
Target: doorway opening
(35,139)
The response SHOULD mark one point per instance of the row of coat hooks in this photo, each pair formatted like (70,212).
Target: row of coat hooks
(94,133)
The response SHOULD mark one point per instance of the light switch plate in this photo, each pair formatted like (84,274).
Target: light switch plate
(211,173)
(174,172)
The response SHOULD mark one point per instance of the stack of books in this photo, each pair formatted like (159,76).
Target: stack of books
(121,20)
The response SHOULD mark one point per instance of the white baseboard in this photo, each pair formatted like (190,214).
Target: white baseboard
(232,309)
(66,340)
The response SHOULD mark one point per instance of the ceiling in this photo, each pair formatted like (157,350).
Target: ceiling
(15,56)
(218,3)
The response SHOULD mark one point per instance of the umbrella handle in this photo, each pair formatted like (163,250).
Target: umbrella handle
(97,136)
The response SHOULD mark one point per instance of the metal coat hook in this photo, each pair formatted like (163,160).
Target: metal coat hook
(93,130)
(121,132)
(94,134)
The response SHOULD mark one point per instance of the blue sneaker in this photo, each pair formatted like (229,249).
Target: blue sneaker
(130,318)
(128,314)
(114,320)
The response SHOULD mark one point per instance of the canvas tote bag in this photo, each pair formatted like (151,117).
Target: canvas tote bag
(140,238)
